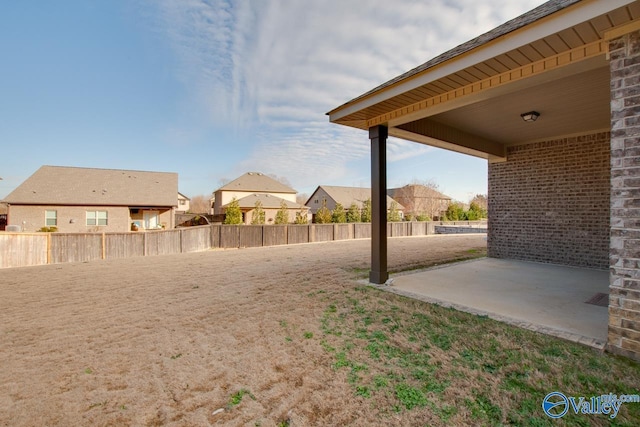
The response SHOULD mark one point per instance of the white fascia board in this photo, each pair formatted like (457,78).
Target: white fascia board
(554,23)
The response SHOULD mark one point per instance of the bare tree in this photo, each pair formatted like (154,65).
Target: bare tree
(480,200)
(301,198)
(281,179)
(200,204)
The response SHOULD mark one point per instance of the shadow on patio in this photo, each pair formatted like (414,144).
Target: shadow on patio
(547,298)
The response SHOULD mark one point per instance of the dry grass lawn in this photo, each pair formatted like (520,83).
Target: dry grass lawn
(271,337)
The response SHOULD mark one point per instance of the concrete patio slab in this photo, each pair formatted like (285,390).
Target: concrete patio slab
(543,297)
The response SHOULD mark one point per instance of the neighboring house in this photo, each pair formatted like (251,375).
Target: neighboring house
(254,186)
(183,203)
(212,202)
(550,100)
(343,195)
(270,205)
(421,200)
(79,200)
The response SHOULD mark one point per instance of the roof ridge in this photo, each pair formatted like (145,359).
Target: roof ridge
(102,169)
(241,182)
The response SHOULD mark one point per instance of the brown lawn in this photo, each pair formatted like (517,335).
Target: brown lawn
(173,340)
(280,336)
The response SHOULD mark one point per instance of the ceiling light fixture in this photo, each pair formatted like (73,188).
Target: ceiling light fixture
(531,116)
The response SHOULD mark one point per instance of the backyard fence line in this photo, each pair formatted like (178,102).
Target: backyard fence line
(29,249)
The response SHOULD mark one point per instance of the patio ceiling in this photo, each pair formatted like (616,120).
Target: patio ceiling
(552,60)
(568,105)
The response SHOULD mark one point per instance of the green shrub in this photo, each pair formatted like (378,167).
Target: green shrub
(366,211)
(233,214)
(476,211)
(455,212)
(51,229)
(323,216)
(282,216)
(394,214)
(301,217)
(258,215)
(339,215)
(353,214)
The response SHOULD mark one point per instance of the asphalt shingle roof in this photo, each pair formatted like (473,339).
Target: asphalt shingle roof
(268,202)
(258,182)
(59,185)
(347,195)
(423,190)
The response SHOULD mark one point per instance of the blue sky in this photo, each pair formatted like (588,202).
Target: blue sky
(212,89)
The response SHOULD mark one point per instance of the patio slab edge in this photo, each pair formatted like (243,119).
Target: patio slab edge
(559,333)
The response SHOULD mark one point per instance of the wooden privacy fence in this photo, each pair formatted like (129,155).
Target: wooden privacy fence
(26,249)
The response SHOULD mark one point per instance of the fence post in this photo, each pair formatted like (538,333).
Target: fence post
(48,248)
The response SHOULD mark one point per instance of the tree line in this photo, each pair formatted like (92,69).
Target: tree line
(455,212)
(420,200)
(233,214)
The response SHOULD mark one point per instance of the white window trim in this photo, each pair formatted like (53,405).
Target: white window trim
(47,218)
(96,218)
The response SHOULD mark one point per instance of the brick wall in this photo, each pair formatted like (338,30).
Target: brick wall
(70,219)
(549,202)
(624,295)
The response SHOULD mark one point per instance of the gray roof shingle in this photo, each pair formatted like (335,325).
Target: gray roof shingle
(347,195)
(423,190)
(258,182)
(59,185)
(268,202)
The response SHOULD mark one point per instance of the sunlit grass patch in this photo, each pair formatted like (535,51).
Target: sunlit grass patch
(450,367)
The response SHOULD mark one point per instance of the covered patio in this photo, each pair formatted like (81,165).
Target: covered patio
(563,301)
(550,99)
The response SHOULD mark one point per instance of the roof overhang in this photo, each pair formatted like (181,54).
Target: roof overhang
(470,99)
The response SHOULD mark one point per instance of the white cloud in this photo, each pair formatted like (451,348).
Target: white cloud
(400,149)
(279,65)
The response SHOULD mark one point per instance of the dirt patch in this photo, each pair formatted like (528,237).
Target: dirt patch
(226,337)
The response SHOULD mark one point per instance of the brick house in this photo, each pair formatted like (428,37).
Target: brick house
(81,200)
(333,194)
(550,99)
(253,187)
(419,199)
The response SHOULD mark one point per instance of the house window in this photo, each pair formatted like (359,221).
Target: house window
(96,217)
(50,218)
(183,202)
